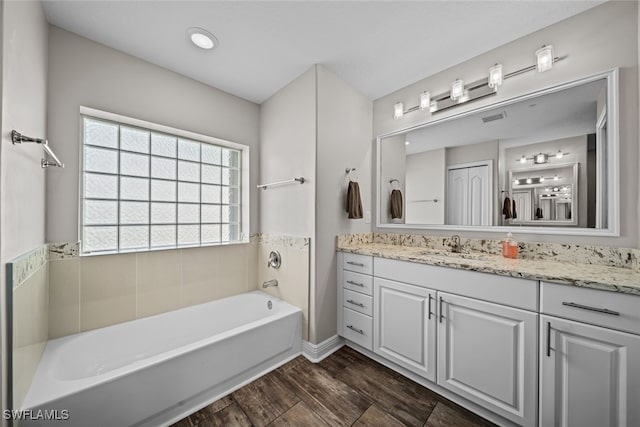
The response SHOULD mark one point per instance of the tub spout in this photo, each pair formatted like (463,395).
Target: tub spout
(270,283)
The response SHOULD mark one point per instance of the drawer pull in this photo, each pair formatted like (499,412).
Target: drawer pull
(351,282)
(586,307)
(360,331)
(441,311)
(359,304)
(359,264)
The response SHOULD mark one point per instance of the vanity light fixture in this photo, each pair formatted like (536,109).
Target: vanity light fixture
(529,181)
(202,38)
(542,158)
(457,89)
(495,76)
(479,89)
(544,58)
(398,110)
(425,100)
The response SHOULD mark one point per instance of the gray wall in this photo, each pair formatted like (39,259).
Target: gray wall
(316,127)
(597,40)
(22,183)
(344,141)
(82,72)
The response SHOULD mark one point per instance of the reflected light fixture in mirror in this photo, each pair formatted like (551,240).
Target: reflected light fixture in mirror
(398,110)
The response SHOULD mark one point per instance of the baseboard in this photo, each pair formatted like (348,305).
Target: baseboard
(316,352)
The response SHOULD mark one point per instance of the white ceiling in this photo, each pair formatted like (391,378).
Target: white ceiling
(375,46)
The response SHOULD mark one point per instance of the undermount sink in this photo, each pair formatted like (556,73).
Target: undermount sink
(448,254)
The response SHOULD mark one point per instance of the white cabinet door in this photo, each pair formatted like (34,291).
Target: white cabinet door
(589,376)
(487,353)
(404,329)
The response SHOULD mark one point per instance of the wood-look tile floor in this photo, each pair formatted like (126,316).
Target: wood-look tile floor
(345,389)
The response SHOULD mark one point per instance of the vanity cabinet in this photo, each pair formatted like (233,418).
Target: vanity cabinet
(355,291)
(404,329)
(487,354)
(589,375)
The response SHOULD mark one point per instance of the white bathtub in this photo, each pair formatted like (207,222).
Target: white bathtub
(156,370)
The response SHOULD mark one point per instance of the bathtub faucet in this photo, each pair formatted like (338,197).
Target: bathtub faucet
(270,283)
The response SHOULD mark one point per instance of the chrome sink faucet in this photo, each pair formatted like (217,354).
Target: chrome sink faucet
(456,246)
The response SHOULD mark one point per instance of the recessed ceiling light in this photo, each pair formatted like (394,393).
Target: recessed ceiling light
(202,38)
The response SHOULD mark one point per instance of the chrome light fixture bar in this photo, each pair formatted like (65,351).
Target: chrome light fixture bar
(461,93)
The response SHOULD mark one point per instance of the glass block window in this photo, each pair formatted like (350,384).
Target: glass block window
(144,190)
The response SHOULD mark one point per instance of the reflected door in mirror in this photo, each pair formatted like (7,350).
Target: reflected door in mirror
(468,195)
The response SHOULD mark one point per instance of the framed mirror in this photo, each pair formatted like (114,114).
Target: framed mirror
(544,162)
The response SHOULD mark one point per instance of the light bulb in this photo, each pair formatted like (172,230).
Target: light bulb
(464,97)
(523,159)
(542,179)
(529,181)
(457,89)
(559,154)
(544,58)
(516,181)
(433,107)
(425,100)
(555,177)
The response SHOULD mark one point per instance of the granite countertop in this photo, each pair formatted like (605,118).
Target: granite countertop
(616,279)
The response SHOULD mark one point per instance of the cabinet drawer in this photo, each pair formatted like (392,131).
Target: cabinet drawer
(603,308)
(358,328)
(358,282)
(358,302)
(358,263)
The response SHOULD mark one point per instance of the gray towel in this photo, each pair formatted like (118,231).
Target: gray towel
(354,203)
(396,204)
(506,208)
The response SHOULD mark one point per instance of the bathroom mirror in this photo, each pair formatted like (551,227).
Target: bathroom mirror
(545,162)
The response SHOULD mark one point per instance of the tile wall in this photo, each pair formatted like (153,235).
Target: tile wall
(97,291)
(293,274)
(30,305)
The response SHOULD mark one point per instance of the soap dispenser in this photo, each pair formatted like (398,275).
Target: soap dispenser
(510,247)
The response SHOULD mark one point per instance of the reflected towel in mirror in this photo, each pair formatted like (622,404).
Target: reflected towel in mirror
(514,214)
(506,208)
(396,204)
(354,203)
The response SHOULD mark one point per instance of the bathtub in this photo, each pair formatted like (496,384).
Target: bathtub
(156,370)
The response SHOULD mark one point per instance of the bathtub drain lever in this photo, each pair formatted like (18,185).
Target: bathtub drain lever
(270,283)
